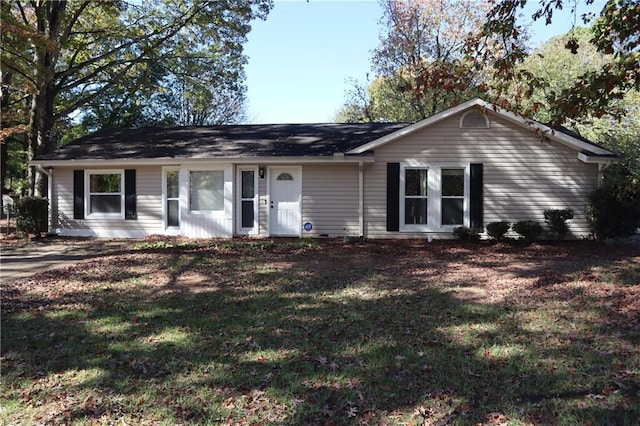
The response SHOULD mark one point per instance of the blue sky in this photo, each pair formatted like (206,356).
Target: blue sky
(302,58)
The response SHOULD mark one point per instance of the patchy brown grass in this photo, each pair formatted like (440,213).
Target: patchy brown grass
(322,332)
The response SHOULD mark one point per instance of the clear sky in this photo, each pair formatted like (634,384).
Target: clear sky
(303,57)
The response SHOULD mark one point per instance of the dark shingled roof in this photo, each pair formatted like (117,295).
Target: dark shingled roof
(268,140)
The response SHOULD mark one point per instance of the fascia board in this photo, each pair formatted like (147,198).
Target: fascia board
(546,131)
(130,162)
(598,159)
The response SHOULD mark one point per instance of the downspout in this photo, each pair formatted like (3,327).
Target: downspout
(600,178)
(361,196)
(49,174)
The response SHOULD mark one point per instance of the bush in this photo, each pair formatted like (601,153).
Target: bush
(529,229)
(31,215)
(497,230)
(466,234)
(556,219)
(614,208)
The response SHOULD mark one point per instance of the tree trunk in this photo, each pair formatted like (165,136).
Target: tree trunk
(41,117)
(40,136)
(4,106)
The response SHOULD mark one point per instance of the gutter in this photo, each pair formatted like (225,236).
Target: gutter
(172,161)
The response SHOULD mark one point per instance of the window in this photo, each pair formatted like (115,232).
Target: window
(172,178)
(284,176)
(474,120)
(105,190)
(416,200)
(452,205)
(206,191)
(247,198)
(433,197)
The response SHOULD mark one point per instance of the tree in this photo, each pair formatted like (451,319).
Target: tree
(616,33)
(557,68)
(420,65)
(71,55)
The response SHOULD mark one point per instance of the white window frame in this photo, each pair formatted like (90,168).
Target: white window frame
(254,229)
(434,194)
(211,213)
(88,193)
(487,123)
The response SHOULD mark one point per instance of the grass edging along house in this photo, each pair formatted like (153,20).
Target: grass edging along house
(467,166)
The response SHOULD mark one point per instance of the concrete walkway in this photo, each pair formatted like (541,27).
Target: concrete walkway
(20,260)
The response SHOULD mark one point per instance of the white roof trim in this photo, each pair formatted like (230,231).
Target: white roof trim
(132,162)
(594,159)
(531,125)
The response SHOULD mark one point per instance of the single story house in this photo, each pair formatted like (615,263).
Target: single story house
(469,165)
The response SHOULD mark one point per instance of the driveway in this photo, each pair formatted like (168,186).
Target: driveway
(22,259)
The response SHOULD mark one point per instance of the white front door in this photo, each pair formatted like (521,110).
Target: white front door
(285,191)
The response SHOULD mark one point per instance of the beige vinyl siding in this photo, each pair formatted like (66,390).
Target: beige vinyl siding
(148,206)
(330,199)
(523,174)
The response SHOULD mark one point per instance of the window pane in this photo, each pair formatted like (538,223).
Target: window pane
(173,215)
(206,191)
(284,176)
(173,184)
(247,214)
(415,211)
(452,211)
(247,184)
(105,204)
(452,182)
(104,182)
(415,182)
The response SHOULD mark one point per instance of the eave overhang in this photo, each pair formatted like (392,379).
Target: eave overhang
(590,158)
(132,162)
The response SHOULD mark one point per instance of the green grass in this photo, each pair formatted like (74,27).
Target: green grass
(307,332)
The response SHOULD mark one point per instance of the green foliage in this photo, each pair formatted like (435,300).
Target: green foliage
(465,233)
(529,229)
(556,69)
(619,135)
(497,230)
(162,245)
(556,220)
(592,93)
(614,208)
(121,64)
(31,214)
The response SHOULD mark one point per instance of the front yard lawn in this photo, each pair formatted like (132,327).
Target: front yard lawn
(322,332)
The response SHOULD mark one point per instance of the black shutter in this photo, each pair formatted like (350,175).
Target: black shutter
(78,194)
(393,197)
(476,198)
(130,194)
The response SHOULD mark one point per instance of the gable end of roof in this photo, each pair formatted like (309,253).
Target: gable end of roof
(569,139)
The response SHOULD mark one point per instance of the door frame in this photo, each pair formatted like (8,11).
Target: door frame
(171,230)
(270,174)
(256,197)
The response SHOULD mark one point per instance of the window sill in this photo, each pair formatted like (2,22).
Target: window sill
(104,216)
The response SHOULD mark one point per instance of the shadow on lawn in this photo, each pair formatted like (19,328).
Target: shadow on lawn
(292,339)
